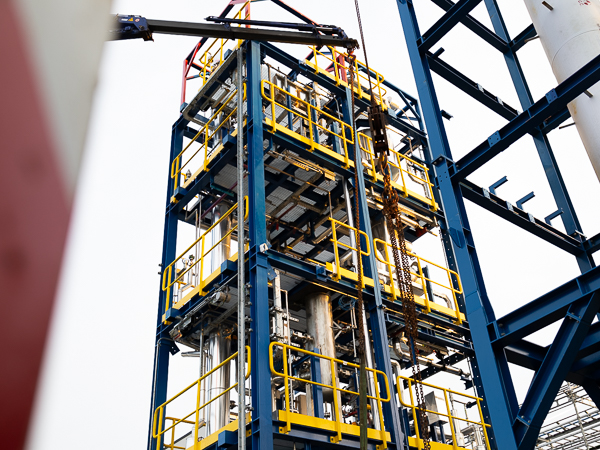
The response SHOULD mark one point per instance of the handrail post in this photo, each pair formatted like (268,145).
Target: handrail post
(391,272)
(380,411)
(424,284)
(450,419)
(335,250)
(416,421)
(288,402)
(336,406)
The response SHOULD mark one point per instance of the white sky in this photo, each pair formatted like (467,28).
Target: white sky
(98,369)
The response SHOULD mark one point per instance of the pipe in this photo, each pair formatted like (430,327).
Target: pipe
(319,323)
(570,35)
(219,349)
(221,252)
(405,354)
(241,282)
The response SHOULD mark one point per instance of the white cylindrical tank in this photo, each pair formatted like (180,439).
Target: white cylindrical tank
(570,34)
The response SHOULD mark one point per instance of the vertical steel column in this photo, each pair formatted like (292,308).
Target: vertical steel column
(163,340)
(553,175)
(262,421)
(494,377)
(376,320)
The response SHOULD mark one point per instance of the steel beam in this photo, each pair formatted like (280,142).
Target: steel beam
(163,343)
(545,310)
(453,16)
(262,420)
(518,217)
(492,377)
(549,377)
(522,38)
(476,27)
(552,103)
(471,88)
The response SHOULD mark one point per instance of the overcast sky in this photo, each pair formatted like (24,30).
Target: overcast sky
(98,369)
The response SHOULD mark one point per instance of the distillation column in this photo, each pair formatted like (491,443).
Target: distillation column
(570,34)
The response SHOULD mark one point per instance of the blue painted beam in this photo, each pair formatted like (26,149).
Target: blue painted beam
(553,102)
(163,343)
(492,378)
(592,244)
(261,401)
(551,374)
(453,16)
(593,390)
(477,27)
(530,356)
(471,88)
(522,38)
(520,218)
(545,310)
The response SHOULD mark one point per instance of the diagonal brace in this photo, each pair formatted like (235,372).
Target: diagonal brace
(453,16)
(554,368)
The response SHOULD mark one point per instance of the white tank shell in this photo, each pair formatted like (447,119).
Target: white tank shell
(570,35)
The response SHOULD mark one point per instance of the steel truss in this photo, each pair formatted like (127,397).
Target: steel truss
(575,353)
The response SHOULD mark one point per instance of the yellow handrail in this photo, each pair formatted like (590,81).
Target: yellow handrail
(449,415)
(332,361)
(359,75)
(167,282)
(357,233)
(159,413)
(207,59)
(391,266)
(366,145)
(312,115)
(177,167)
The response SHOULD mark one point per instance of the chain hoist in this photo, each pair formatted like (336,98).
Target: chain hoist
(391,212)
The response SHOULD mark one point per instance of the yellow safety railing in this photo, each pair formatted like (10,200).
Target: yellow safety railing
(420,276)
(332,60)
(333,363)
(214,55)
(314,119)
(173,440)
(448,414)
(206,133)
(171,275)
(159,413)
(335,242)
(396,160)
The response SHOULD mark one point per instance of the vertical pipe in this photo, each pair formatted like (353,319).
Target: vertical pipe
(278,316)
(218,410)
(221,252)
(241,312)
(319,323)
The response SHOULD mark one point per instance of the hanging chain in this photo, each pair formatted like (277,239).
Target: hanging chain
(391,211)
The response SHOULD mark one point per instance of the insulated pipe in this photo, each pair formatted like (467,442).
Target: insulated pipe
(570,34)
(219,349)
(221,252)
(319,322)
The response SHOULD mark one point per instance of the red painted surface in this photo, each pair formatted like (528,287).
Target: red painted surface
(34,214)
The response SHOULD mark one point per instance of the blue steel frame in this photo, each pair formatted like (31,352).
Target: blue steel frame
(575,353)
